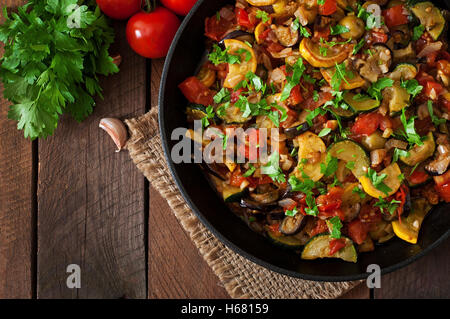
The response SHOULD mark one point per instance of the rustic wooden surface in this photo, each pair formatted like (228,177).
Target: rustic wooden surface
(71,199)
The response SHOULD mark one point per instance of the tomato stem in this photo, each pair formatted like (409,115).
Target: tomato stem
(149,5)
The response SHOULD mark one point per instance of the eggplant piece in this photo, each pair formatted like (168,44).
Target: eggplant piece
(254,205)
(440,165)
(398,40)
(275,215)
(268,9)
(265,198)
(297,130)
(291,225)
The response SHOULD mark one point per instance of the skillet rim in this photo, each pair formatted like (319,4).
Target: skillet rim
(210,227)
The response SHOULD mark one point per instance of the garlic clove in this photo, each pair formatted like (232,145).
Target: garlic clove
(116,130)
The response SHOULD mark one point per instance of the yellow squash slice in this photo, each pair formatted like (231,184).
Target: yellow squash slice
(310,51)
(260,3)
(392,180)
(352,81)
(409,227)
(237,72)
(313,151)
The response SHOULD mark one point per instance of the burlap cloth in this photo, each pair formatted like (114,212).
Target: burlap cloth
(240,277)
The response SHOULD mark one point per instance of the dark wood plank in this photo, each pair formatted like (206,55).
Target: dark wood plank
(91,199)
(426,278)
(16,204)
(175,268)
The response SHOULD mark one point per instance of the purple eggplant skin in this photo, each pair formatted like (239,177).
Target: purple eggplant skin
(297,130)
(233,35)
(254,205)
(292,225)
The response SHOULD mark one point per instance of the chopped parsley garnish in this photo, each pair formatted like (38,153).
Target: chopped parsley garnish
(272,168)
(293,81)
(219,56)
(350,165)
(397,153)
(330,166)
(390,207)
(334,226)
(256,81)
(306,186)
(250,171)
(338,29)
(222,96)
(412,87)
(358,46)
(377,181)
(315,96)
(292,212)
(320,2)
(324,132)
(263,15)
(410,131)
(359,191)
(436,121)
(417,32)
(376,88)
(209,115)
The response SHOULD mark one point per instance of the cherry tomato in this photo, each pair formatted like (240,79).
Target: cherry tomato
(181,7)
(395,16)
(357,231)
(328,8)
(119,9)
(196,92)
(336,245)
(150,34)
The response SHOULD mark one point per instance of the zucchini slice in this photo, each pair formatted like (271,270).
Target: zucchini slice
(420,153)
(398,98)
(430,17)
(350,151)
(347,114)
(392,181)
(232,194)
(319,247)
(196,111)
(409,227)
(288,242)
(404,71)
(313,151)
(363,105)
(351,82)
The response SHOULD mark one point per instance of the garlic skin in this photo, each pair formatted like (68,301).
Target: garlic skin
(116,130)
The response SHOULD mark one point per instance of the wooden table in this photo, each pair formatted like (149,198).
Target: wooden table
(71,199)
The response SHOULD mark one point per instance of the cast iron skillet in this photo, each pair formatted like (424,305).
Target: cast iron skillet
(182,60)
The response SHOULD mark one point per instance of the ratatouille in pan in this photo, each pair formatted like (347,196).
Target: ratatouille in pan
(359,93)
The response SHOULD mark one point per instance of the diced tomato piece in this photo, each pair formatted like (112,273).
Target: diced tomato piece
(330,203)
(444,102)
(395,16)
(319,228)
(444,191)
(324,97)
(443,66)
(236,94)
(433,90)
(263,36)
(377,37)
(215,29)
(418,177)
(423,77)
(275,229)
(236,178)
(323,33)
(367,124)
(275,47)
(336,245)
(296,96)
(292,117)
(357,230)
(243,19)
(264,179)
(196,92)
(442,179)
(369,214)
(328,8)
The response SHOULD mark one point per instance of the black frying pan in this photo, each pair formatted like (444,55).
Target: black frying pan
(181,62)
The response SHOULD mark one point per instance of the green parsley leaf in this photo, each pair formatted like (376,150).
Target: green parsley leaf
(411,134)
(324,132)
(417,32)
(292,212)
(330,166)
(359,191)
(377,181)
(219,56)
(338,29)
(412,87)
(390,207)
(376,88)
(358,46)
(398,153)
(320,2)
(250,171)
(436,121)
(222,95)
(263,15)
(334,226)
(272,168)
(293,81)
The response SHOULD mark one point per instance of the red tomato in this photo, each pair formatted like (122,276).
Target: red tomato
(275,229)
(319,228)
(215,29)
(357,231)
(181,7)
(150,34)
(367,124)
(254,182)
(324,97)
(442,179)
(433,90)
(292,117)
(395,16)
(377,37)
(236,178)
(418,177)
(336,245)
(331,201)
(275,47)
(444,102)
(329,7)
(243,19)
(444,191)
(119,9)
(236,94)
(196,92)
(296,96)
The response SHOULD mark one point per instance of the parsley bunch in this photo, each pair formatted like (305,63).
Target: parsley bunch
(51,65)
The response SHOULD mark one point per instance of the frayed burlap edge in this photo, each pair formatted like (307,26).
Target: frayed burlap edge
(240,277)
